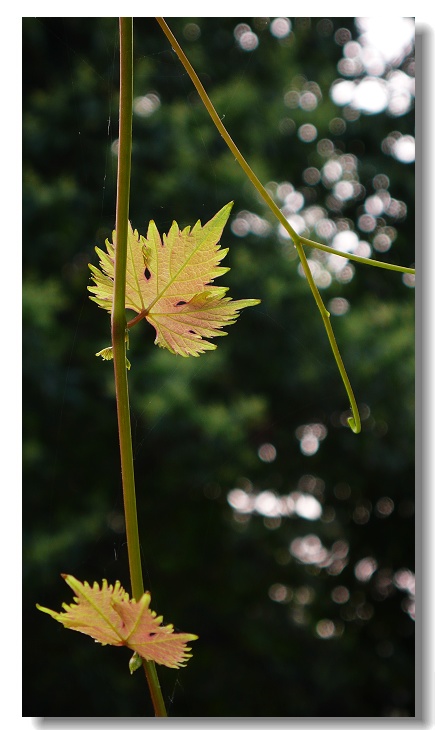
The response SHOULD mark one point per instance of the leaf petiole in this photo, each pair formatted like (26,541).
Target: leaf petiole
(137,319)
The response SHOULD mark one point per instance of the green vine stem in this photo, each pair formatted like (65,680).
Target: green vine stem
(119,330)
(358,259)
(251,175)
(354,421)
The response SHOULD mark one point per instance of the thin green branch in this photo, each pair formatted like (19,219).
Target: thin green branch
(358,259)
(354,421)
(119,330)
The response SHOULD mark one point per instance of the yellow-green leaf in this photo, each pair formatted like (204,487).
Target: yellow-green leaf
(110,616)
(169,282)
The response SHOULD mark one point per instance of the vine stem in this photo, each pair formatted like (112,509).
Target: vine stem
(251,175)
(358,259)
(118,325)
(354,421)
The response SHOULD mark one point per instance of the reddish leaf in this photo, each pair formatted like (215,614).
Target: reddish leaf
(111,617)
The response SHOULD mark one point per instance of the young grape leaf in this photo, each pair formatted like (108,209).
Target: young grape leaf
(111,617)
(168,282)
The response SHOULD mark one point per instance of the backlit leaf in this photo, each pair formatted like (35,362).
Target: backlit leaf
(169,282)
(110,616)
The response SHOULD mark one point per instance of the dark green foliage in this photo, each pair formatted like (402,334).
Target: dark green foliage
(198,423)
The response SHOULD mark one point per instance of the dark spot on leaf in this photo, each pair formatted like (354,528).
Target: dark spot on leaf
(147,274)
(180,303)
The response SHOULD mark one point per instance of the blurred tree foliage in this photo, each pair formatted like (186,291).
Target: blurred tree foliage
(293,565)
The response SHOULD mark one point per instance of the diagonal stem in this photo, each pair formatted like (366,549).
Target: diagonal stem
(354,421)
(358,259)
(118,334)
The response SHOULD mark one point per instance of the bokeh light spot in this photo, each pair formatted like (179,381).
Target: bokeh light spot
(403,149)
(361,514)
(146,105)
(307,133)
(384,507)
(309,550)
(340,594)
(248,41)
(394,39)
(337,126)
(342,36)
(325,628)
(304,595)
(338,306)
(365,568)
(279,593)
(325,27)
(267,453)
(191,31)
(280,27)
(409,280)
(308,101)
(371,95)
(240,29)
(267,504)
(332,171)
(240,500)
(344,190)
(342,92)
(308,507)
(311,176)
(310,437)
(381,182)
(286,125)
